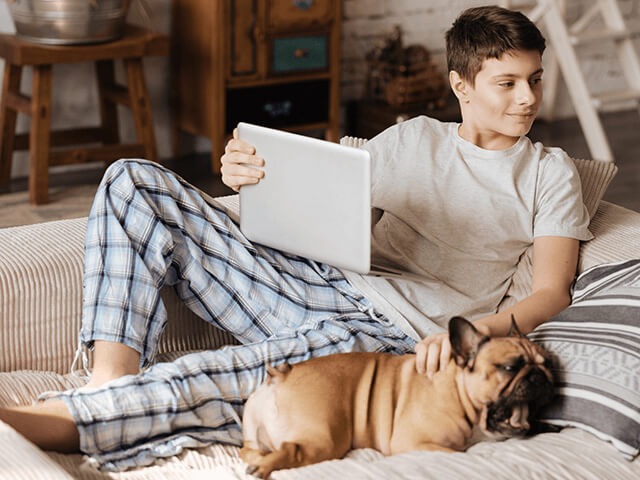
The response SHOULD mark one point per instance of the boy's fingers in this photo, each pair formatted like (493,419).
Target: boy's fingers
(235,170)
(255,160)
(240,158)
(235,133)
(421,357)
(250,172)
(445,353)
(432,359)
(236,145)
(239,181)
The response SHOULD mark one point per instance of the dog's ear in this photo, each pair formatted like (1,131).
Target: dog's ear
(465,341)
(514,331)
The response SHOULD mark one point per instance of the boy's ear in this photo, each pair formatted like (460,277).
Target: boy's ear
(458,85)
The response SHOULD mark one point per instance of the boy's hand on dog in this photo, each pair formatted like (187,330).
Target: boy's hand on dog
(434,352)
(238,155)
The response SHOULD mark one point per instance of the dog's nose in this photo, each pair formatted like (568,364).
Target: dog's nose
(536,377)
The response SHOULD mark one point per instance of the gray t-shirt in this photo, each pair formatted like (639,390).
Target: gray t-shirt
(459,217)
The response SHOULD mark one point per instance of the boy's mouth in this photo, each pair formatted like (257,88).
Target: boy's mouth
(522,117)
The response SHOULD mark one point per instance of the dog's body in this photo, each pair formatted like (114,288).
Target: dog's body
(322,408)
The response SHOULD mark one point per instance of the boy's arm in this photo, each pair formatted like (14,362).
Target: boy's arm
(555,260)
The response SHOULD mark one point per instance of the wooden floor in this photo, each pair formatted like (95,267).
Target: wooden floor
(72,193)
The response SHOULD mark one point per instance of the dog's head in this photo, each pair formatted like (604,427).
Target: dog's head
(507,378)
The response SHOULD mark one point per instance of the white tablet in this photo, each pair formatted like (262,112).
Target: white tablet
(314,200)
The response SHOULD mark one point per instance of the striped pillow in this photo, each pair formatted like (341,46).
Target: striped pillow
(595,344)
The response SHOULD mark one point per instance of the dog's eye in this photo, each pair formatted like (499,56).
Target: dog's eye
(514,365)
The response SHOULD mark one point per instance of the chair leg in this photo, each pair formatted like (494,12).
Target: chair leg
(140,107)
(108,109)
(8,116)
(39,136)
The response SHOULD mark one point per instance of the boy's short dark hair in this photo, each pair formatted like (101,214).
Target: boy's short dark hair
(488,32)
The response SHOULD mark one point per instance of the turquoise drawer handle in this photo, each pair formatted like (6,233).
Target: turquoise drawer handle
(303,4)
(300,53)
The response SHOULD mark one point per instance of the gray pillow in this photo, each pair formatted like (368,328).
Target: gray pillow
(595,345)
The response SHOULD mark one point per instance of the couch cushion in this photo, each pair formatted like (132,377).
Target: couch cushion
(22,387)
(41,298)
(20,459)
(595,344)
(595,177)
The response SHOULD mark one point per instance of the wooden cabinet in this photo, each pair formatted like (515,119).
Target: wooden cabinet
(367,118)
(271,62)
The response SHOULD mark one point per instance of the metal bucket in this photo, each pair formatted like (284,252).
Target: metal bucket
(69,22)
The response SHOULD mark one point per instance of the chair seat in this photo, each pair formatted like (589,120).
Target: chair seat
(135,44)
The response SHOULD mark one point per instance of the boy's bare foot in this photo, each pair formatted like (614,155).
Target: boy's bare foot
(48,424)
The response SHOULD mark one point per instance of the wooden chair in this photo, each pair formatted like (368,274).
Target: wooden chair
(131,48)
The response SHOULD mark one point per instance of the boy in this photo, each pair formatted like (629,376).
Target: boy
(456,204)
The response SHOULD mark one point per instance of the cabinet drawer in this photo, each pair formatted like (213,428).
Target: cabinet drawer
(279,105)
(288,14)
(299,53)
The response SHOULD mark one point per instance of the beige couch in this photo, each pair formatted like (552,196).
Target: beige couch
(40,307)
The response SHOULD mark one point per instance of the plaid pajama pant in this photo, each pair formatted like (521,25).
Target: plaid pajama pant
(149,228)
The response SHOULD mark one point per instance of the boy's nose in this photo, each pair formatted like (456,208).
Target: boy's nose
(525,94)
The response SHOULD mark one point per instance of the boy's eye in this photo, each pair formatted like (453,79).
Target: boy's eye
(535,81)
(506,84)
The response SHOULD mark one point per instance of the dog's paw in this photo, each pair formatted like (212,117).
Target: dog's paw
(258,466)
(258,471)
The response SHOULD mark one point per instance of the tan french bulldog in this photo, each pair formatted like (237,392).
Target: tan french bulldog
(320,409)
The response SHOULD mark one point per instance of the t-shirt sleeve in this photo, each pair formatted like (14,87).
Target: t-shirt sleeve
(559,209)
(383,150)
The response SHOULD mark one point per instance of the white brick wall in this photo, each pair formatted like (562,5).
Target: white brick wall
(365,22)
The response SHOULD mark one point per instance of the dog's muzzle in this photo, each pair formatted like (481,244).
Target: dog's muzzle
(533,389)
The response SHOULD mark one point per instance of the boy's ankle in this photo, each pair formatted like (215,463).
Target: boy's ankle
(112,360)
(101,376)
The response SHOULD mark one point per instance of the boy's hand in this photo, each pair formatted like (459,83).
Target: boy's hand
(237,155)
(433,353)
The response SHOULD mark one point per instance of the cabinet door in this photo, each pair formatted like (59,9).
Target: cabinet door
(247,45)
(294,15)
(243,41)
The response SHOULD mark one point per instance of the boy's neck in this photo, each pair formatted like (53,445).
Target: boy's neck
(484,139)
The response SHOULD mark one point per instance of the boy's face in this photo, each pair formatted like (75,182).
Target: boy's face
(505,99)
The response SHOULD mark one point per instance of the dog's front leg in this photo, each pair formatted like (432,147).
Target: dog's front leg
(289,455)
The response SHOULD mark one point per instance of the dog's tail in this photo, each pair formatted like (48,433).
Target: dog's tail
(278,373)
